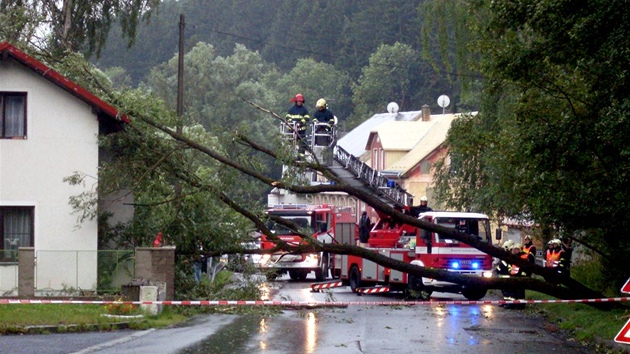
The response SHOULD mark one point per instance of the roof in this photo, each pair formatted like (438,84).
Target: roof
(355,141)
(432,135)
(101,107)
(401,136)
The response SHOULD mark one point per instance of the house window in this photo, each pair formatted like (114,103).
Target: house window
(12,115)
(16,230)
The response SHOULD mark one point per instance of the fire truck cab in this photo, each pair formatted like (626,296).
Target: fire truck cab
(424,248)
(322,222)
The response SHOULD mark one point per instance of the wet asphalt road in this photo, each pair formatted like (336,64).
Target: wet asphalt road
(384,329)
(429,328)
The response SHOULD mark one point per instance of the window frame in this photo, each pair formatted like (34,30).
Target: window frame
(31,237)
(3,125)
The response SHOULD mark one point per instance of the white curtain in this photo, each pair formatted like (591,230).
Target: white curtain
(17,230)
(14,116)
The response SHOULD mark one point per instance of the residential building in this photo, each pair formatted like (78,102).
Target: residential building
(49,129)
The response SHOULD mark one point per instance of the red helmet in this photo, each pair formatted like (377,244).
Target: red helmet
(298,98)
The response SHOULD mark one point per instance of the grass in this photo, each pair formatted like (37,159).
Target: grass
(21,318)
(16,318)
(585,322)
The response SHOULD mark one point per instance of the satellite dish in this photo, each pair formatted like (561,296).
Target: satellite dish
(392,107)
(443,101)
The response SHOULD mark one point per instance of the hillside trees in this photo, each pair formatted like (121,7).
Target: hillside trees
(74,25)
(395,73)
(549,143)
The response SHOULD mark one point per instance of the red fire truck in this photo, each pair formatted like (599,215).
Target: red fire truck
(424,248)
(324,223)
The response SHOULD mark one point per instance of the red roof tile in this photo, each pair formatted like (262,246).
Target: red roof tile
(61,81)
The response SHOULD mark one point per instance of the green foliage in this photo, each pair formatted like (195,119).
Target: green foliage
(220,289)
(549,143)
(71,25)
(395,73)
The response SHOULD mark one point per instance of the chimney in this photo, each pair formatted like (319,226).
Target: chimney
(426,113)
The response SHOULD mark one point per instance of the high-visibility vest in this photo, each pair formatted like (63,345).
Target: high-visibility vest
(553,258)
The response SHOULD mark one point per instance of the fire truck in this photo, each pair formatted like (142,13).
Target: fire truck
(324,223)
(424,248)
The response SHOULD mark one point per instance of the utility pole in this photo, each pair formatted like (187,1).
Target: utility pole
(180,95)
(180,74)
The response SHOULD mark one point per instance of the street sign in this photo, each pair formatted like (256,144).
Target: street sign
(623,336)
(626,287)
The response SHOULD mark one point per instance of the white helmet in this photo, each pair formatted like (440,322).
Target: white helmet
(423,199)
(321,103)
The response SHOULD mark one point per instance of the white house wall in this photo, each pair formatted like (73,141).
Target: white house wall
(62,135)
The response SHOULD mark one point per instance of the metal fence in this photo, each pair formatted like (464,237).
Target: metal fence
(82,272)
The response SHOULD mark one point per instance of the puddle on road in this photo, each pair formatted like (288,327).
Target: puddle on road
(232,338)
(295,332)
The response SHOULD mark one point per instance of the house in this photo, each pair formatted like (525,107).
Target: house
(49,129)
(408,151)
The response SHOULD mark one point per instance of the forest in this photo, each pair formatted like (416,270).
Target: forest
(357,43)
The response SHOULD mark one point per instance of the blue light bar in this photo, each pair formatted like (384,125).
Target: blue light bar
(475,265)
(455,265)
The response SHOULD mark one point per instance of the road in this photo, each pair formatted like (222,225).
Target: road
(352,329)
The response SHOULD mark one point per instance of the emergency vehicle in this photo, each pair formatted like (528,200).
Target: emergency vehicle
(424,248)
(324,223)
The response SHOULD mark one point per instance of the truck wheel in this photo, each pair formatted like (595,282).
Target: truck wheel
(474,294)
(354,278)
(417,290)
(322,272)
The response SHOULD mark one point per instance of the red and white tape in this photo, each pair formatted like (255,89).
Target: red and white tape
(320,286)
(308,304)
(382,289)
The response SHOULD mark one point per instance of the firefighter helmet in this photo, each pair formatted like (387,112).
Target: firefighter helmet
(298,98)
(423,199)
(321,103)
(507,245)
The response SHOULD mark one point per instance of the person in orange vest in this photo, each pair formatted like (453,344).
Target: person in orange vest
(554,254)
(516,271)
(529,249)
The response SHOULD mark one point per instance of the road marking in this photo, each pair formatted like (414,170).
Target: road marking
(114,342)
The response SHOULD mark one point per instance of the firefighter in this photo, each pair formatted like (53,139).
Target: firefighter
(502,267)
(529,249)
(323,114)
(297,116)
(554,254)
(516,271)
(323,132)
(422,208)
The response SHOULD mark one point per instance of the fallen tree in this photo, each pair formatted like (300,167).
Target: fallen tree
(558,285)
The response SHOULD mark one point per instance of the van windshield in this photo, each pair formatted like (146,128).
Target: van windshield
(302,222)
(477,227)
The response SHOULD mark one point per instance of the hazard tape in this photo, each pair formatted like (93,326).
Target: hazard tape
(319,286)
(308,304)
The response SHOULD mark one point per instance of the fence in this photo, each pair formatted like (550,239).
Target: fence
(62,273)
(76,272)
